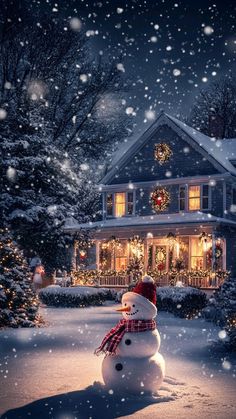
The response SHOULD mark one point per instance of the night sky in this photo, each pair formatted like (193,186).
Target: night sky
(170,49)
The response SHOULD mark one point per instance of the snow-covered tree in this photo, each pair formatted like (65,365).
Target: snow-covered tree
(40,190)
(18,303)
(222,310)
(51,79)
(61,111)
(214,111)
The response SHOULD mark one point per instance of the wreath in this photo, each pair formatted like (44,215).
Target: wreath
(160,199)
(218,251)
(162,152)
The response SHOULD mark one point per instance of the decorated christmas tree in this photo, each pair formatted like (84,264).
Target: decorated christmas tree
(18,303)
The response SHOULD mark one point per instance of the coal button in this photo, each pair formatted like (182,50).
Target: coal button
(128,342)
(119,367)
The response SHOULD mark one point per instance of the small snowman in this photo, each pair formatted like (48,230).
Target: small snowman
(132,362)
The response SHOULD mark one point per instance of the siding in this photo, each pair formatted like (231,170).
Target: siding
(184,162)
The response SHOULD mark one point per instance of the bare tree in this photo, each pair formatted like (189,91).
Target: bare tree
(48,77)
(62,107)
(214,111)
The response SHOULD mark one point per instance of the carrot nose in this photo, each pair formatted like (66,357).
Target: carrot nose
(127,309)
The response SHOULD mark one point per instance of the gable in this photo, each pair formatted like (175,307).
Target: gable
(188,159)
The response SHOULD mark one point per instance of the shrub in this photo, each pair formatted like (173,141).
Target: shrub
(181,301)
(75,296)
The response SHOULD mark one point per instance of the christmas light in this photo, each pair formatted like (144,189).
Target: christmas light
(162,153)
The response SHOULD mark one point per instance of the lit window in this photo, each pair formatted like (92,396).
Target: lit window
(196,254)
(121,256)
(194,198)
(120,204)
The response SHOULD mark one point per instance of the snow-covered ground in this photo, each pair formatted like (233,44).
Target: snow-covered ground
(53,373)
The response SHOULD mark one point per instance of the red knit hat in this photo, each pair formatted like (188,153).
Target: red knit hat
(146,288)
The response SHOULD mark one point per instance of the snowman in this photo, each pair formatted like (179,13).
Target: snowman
(132,362)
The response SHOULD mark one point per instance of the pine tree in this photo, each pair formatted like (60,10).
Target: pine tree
(40,190)
(18,303)
(222,310)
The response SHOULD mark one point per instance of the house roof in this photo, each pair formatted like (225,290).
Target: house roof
(150,220)
(219,152)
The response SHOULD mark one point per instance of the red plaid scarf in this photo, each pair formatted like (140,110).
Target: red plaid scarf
(113,338)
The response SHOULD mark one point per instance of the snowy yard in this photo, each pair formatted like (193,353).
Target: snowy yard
(53,373)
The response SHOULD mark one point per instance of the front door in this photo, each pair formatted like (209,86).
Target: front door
(160,258)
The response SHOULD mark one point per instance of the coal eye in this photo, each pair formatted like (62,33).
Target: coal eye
(133,305)
(125,304)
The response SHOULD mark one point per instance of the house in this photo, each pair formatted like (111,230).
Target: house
(169,208)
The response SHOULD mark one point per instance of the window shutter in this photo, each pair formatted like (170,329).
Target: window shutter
(130,203)
(109,204)
(205,196)
(182,198)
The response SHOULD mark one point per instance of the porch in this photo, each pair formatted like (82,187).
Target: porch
(190,253)
(197,260)
(198,279)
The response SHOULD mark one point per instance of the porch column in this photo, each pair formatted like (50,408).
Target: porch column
(145,264)
(73,256)
(224,254)
(213,262)
(97,254)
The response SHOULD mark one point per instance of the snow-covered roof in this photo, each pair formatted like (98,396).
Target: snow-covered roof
(222,150)
(155,220)
(219,152)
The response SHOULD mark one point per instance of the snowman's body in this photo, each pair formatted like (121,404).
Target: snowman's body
(137,365)
(134,345)
(133,375)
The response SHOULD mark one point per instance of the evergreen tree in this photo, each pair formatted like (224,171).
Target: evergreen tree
(222,310)
(40,190)
(18,303)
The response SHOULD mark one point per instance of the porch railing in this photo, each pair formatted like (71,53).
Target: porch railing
(114,281)
(203,279)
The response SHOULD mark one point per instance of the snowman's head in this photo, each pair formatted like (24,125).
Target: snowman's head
(137,304)
(134,307)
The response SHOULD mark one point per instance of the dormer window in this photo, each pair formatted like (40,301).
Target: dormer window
(119,204)
(193,197)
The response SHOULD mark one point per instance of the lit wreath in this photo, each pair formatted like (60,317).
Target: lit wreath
(162,152)
(160,199)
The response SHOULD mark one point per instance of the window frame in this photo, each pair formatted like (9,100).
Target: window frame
(114,203)
(186,198)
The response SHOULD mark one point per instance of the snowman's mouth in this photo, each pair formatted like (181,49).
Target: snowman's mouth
(131,314)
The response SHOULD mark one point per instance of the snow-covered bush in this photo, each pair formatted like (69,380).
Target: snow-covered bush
(221,309)
(181,301)
(75,296)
